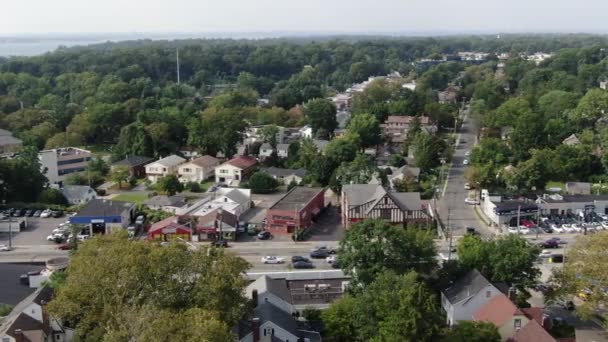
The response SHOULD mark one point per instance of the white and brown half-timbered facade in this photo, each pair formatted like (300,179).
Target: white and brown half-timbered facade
(365,201)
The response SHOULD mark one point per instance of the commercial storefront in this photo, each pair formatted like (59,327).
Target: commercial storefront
(169,229)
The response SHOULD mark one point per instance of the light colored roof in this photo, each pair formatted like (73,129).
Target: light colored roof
(163,200)
(320,144)
(571,140)
(237,196)
(76,192)
(277,287)
(170,161)
(497,311)
(275,171)
(410,171)
(8,140)
(282,147)
(358,194)
(407,200)
(242,162)
(265,146)
(424,120)
(205,161)
(533,332)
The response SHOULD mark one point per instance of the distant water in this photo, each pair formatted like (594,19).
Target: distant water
(33,48)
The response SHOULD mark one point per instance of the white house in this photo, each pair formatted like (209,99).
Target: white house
(198,170)
(286,176)
(78,194)
(235,170)
(282,150)
(265,150)
(234,201)
(163,167)
(469,293)
(170,204)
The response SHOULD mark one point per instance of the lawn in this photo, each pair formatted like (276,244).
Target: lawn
(552,184)
(135,197)
(206,185)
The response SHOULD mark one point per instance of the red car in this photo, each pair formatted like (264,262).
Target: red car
(528,224)
(65,247)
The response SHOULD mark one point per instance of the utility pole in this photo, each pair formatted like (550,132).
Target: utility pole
(177,62)
(451,235)
(537,220)
(518,217)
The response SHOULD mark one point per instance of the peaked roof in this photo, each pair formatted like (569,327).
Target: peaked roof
(533,332)
(237,196)
(497,311)
(571,140)
(424,120)
(358,194)
(242,162)
(163,200)
(132,161)
(222,216)
(466,287)
(406,200)
(72,192)
(267,312)
(24,322)
(275,171)
(407,170)
(277,287)
(205,161)
(282,147)
(171,160)
(17,319)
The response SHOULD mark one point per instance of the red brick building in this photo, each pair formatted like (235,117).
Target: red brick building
(169,229)
(295,210)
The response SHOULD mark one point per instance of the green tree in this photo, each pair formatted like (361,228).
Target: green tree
(321,114)
(470,331)
(510,259)
(262,183)
(132,275)
(341,150)
(366,126)
(120,174)
(52,196)
(358,171)
(374,246)
(590,108)
(98,165)
(269,134)
(427,151)
(170,185)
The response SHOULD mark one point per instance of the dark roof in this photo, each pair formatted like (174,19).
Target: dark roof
(132,161)
(465,287)
(104,208)
(242,162)
(205,161)
(358,194)
(268,312)
(296,198)
(277,287)
(26,323)
(406,200)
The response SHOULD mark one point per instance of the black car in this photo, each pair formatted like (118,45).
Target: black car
(29,212)
(297,258)
(549,244)
(335,264)
(319,254)
(220,243)
(472,231)
(57,213)
(303,264)
(264,235)
(19,213)
(37,213)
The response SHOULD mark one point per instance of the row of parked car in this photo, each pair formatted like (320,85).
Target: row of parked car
(301,262)
(21,212)
(568,223)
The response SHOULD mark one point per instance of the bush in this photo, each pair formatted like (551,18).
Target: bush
(5,309)
(52,196)
(262,183)
(194,187)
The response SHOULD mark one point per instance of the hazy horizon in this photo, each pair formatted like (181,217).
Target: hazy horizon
(319,17)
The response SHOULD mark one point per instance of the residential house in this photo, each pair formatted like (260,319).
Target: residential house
(169,229)
(235,170)
(266,150)
(295,211)
(306,132)
(363,201)
(342,118)
(282,150)
(505,132)
(252,134)
(534,332)
(286,176)
(78,194)
(163,167)
(57,164)
(466,296)
(198,170)
(135,164)
(395,127)
(578,188)
(217,224)
(405,172)
(320,144)
(449,95)
(103,216)
(509,319)
(234,201)
(171,204)
(30,321)
(342,101)
(571,140)
(604,84)
(8,143)
(409,85)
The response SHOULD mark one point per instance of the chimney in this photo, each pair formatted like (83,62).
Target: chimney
(19,335)
(45,313)
(512,295)
(547,322)
(255,327)
(254,297)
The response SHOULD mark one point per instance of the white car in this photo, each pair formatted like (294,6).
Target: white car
(59,231)
(545,253)
(46,213)
(82,237)
(64,224)
(576,228)
(465,162)
(604,224)
(4,248)
(524,230)
(557,228)
(513,230)
(471,201)
(271,259)
(330,259)
(467,186)
(53,237)
(567,228)
(467,153)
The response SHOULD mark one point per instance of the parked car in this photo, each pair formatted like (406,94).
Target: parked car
(471,201)
(545,253)
(467,153)
(297,258)
(557,228)
(324,248)
(220,243)
(57,213)
(319,254)
(46,213)
(467,186)
(303,264)
(5,248)
(18,213)
(37,213)
(465,162)
(577,228)
(264,235)
(524,230)
(29,212)
(271,259)
(65,247)
(331,259)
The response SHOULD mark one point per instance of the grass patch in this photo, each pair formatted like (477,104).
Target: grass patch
(137,198)
(206,185)
(553,184)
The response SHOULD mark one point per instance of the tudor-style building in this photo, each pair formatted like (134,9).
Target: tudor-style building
(364,201)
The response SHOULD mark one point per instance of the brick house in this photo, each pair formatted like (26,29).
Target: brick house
(296,210)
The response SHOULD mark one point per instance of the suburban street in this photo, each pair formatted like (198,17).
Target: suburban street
(453,211)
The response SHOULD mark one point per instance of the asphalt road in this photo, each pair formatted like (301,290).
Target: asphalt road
(454,212)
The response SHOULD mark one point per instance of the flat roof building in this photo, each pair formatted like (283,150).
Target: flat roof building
(295,210)
(57,164)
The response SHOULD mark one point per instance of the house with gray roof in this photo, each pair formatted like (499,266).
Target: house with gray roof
(169,204)
(467,295)
(163,167)
(8,143)
(282,150)
(286,176)
(265,150)
(135,164)
(405,172)
(78,194)
(364,201)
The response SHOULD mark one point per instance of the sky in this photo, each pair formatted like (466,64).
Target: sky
(19,17)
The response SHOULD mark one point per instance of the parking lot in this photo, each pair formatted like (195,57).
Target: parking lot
(36,231)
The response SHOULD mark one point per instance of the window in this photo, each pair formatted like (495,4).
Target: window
(517,323)
(223,171)
(164,169)
(488,294)
(187,170)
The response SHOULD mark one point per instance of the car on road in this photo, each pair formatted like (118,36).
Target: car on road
(467,186)
(297,258)
(545,253)
(319,254)
(329,250)
(5,248)
(465,162)
(471,201)
(331,259)
(220,243)
(264,235)
(303,264)
(272,259)
(467,153)
(549,244)
(65,247)
(46,213)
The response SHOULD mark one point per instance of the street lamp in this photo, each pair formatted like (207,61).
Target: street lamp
(10,230)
